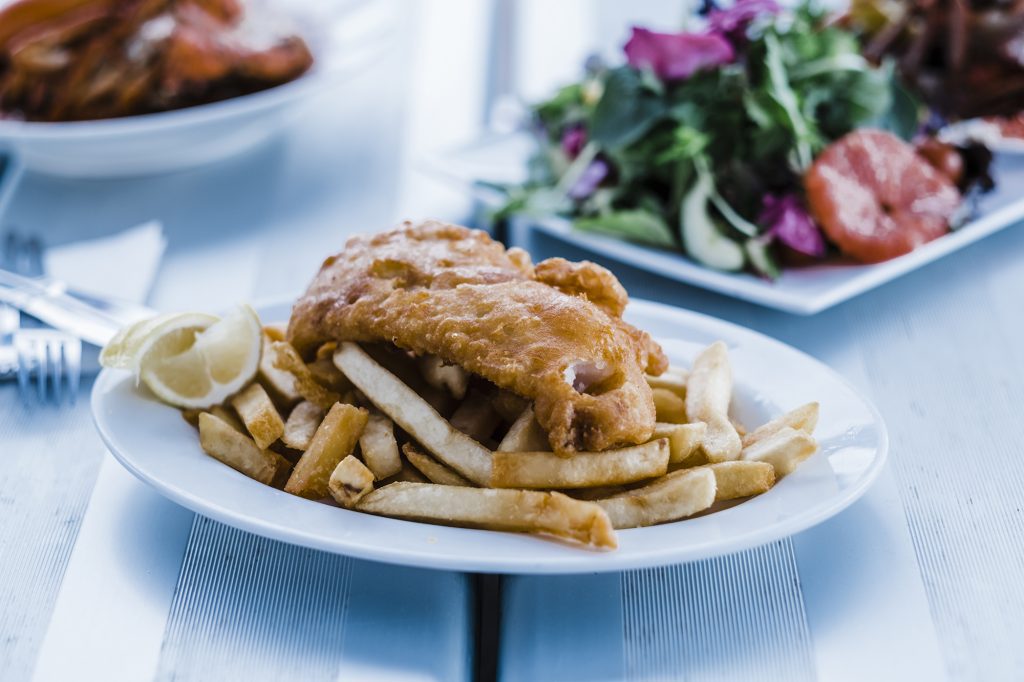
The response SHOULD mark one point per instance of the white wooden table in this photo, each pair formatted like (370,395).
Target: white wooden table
(916,581)
(106,580)
(103,579)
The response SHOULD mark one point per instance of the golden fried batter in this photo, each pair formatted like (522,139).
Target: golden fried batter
(602,289)
(585,279)
(455,293)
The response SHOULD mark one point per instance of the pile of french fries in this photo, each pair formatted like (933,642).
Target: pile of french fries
(379,431)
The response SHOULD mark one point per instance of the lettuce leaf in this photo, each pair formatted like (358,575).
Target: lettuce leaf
(635,225)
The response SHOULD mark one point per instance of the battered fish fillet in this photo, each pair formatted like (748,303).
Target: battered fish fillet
(550,333)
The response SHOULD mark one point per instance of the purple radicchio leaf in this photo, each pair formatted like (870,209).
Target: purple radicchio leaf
(733,21)
(573,140)
(676,56)
(589,179)
(788,221)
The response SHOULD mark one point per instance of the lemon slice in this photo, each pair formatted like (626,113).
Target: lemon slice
(190,359)
(126,349)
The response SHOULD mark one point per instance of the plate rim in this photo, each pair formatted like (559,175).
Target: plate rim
(869,276)
(421,557)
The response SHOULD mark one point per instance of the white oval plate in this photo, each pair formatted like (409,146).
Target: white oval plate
(154,443)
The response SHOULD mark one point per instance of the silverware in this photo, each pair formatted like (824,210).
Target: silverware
(10,318)
(22,255)
(122,311)
(53,359)
(16,256)
(10,321)
(47,363)
(48,301)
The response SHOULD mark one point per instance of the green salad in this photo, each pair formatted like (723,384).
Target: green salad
(701,140)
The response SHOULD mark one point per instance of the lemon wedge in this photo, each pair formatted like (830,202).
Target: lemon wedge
(190,359)
(126,349)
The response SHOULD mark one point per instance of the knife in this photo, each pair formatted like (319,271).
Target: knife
(94,319)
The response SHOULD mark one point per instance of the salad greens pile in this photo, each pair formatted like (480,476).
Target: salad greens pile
(700,141)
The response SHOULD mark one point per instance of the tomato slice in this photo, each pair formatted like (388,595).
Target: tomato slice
(876,198)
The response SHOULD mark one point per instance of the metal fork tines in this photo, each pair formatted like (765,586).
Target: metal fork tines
(50,360)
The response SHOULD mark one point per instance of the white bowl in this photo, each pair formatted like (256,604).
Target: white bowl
(343,40)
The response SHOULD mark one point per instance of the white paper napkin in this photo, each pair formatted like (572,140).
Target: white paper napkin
(121,266)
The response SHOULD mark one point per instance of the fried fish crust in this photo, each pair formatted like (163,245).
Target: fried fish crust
(551,333)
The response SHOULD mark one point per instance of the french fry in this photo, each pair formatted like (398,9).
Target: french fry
(674,379)
(444,377)
(741,478)
(335,439)
(280,385)
(353,396)
(684,440)
(191,416)
(675,496)
(286,358)
(259,415)
(708,393)
(283,470)
(403,366)
(326,350)
(803,418)
(784,450)
(741,430)
(228,415)
(290,454)
(277,331)
(379,447)
(525,435)
(431,468)
(475,417)
(301,425)
(350,481)
(582,470)
(327,375)
(408,474)
(223,442)
(414,414)
(509,510)
(599,493)
(670,408)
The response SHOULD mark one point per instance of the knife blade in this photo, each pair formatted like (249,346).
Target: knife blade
(48,301)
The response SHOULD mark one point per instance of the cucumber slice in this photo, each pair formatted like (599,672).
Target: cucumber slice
(701,237)
(761,259)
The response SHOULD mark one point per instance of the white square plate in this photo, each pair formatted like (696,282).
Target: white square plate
(804,291)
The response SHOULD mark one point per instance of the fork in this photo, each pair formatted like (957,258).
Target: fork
(53,359)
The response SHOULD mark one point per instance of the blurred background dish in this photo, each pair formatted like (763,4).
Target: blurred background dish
(962,56)
(502,159)
(207,120)
(771,153)
(79,60)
